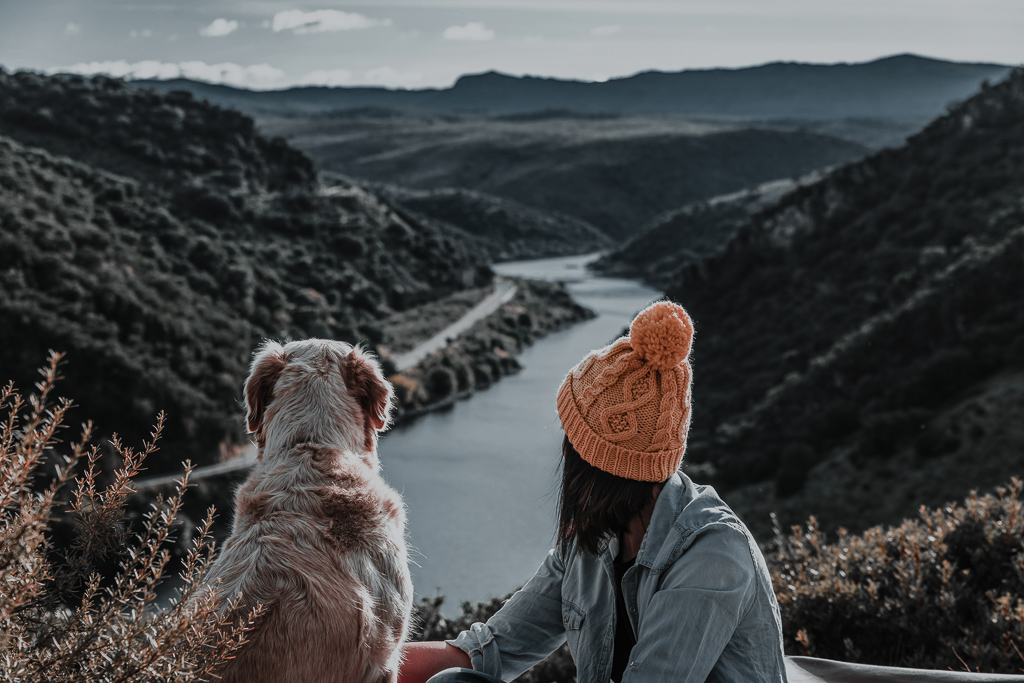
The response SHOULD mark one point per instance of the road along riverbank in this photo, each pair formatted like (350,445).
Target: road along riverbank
(479,479)
(477,349)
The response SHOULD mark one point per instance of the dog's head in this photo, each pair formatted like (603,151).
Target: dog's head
(317,390)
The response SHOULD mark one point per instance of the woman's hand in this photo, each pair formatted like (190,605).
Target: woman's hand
(420,661)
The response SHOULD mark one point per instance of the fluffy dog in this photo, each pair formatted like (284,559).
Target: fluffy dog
(318,537)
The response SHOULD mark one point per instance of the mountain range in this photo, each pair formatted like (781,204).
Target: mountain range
(618,154)
(901,86)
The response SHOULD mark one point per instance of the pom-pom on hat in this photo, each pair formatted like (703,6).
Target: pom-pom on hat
(626,407)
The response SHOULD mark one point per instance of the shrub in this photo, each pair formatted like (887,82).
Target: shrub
(796,461)
(442,383)
(83,609)
(883,432)
(942,591)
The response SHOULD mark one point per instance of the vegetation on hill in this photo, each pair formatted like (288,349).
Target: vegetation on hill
(159,285)
(676,238)
(503,229)
(613,173)
(942,591)
(852,313)
(488,350)
(169,141)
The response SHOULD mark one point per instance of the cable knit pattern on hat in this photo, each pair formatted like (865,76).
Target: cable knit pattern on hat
(626,407)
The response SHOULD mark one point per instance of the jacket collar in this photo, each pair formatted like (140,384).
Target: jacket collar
(674,496)
(677,492)
(682,511)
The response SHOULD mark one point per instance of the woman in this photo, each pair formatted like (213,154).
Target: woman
(654,577)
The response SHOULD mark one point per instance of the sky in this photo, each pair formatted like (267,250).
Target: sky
(264,44)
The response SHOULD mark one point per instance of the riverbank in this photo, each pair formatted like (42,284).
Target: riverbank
(479,479)
(481,323)
(488,350)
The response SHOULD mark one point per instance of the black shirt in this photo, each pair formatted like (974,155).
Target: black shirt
(624,637)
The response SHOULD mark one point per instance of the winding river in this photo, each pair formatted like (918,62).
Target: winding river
(480,479)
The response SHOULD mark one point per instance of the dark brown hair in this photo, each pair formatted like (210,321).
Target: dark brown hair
(593,505)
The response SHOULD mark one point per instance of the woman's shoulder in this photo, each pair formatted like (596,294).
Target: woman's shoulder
(698,522)
(693,508)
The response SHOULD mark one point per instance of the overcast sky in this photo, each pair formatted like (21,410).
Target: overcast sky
(429,43)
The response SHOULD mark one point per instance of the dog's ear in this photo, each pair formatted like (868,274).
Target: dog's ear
(268,363)
(366,382)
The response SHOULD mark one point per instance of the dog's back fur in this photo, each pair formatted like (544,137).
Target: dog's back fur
(318,538)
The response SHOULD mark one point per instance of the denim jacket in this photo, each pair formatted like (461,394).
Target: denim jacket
(699,599)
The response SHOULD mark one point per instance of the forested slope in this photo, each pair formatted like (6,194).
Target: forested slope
(172,240)
(854,313)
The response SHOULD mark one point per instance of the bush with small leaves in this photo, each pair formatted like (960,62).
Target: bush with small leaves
(941,591)
(65,616)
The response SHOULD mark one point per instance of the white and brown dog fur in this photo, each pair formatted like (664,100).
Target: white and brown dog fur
(318,537)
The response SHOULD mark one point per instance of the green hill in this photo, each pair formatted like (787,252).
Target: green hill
(506,230)
(157,239)
(842,327)
(613,173)
(674,239)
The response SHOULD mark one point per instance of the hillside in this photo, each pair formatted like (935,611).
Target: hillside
(677,238)
(843,326)
(503,229)
(172,236)
(613,173)
(900,87)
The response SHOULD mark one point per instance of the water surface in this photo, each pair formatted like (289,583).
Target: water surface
(479,480)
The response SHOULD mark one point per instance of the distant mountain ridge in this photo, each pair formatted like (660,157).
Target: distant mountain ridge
(900,86)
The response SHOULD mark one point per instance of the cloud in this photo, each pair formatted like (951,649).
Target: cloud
(144,33)
(602,31)
(322,20)
(387,76)
(332,77)
(218,28)
(72,29)
(474,30)
(255,76)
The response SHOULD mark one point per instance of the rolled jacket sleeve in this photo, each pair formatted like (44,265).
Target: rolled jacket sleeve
(689,621)
(524,631)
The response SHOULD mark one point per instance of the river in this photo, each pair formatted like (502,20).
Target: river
(480,479)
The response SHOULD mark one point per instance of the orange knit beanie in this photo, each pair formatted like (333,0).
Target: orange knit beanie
(626,407)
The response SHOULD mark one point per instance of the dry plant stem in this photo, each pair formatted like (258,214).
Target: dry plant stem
(64,614)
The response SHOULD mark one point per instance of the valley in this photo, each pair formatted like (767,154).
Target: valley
(856,298)
(157,239)
(613,173)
